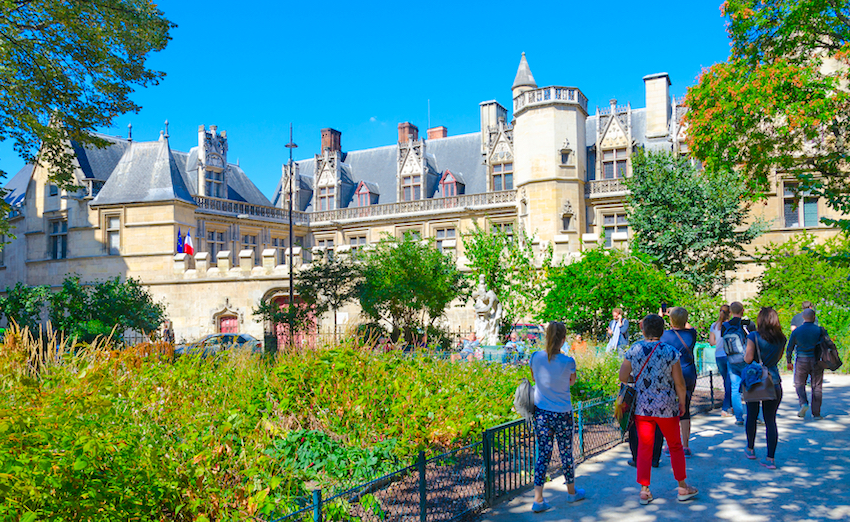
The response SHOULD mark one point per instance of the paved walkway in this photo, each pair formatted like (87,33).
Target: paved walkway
(812,481)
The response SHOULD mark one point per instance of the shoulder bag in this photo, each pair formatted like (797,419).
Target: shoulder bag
(763,390)
(624,406)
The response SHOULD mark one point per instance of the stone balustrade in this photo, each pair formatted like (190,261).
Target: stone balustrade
(604,187)
(548,95)
(199,267)
(236,208)
(500,198)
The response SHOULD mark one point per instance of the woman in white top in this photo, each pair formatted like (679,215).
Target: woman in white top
(716,340)
(553,374)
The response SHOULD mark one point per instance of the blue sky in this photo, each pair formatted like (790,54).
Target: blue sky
(363,67)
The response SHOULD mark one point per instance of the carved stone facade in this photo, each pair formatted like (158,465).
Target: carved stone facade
(552,168)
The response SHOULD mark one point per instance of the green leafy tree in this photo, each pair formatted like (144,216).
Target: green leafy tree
(409,284)
(508,265)
(584,293)
(691,223)
(328,284)
(289,322)
(88,310)
(780,102)
(69,68)
(24,304)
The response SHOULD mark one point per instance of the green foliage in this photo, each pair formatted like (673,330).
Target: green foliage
(508,266)
(290,321)
(690,222)
(585,292)
(799,270)
(328,284)
(24,304)
(69,68)
(777,95)
(409,284)
(86,311)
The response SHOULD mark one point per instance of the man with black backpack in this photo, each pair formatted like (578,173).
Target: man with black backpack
(805,340)
(734,335)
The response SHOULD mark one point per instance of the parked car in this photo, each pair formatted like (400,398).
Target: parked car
(212,344)
(529,333)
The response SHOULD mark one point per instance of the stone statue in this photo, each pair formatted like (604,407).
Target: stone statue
(488,314)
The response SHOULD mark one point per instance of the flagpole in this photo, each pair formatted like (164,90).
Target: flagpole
(291,145)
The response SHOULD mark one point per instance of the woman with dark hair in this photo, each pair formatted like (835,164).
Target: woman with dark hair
(716,340)
(553,374)
(661,396)
(766,345)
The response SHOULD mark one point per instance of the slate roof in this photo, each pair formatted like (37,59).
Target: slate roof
(523,75)
(16,188)
(378,167)
(99,163)
(147,172)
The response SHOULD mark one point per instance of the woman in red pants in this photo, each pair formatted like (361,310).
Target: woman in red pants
(661,395)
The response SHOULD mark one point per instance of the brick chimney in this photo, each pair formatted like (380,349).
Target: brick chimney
(407,131)
(437,133)
(331,140)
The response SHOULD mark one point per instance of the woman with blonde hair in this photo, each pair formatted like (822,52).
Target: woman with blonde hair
(716,340)
(553,374)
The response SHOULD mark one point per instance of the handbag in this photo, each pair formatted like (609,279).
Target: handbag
(763,390)
(524,399)
(624,406)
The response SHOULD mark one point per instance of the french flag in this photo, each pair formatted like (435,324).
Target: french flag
(188,248)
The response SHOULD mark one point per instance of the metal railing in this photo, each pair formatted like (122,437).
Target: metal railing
(503,197)
(454,485)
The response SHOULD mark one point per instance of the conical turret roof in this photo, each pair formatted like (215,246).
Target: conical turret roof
(523,75)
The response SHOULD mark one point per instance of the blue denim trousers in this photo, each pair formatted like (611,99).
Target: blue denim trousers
(737,407)
(723,369)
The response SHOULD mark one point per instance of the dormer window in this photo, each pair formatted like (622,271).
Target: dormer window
(503,176)
(327,200)
(214,184)
(450,185)
(363,196)
(411,187)
(614,163)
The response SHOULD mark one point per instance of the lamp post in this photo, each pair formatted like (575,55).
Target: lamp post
(291,145)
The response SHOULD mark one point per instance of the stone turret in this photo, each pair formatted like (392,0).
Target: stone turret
(524,81)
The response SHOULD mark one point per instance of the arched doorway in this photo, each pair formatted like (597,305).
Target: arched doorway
(228,324)
(305,337)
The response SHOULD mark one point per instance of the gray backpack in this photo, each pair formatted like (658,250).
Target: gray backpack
(524,399)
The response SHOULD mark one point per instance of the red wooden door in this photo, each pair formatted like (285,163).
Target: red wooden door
(228,324)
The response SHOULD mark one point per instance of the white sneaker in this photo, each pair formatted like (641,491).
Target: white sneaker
(803,409)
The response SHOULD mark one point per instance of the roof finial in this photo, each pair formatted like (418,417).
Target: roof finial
(129,132)
(166,128)
(523,75)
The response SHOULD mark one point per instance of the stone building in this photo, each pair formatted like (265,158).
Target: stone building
(551,167)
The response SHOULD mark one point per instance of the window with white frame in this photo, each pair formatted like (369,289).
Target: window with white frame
(59,239)
(614,163)
(411,187)
(327,245)
(614,223)
(504,228)
(52,190)
(113,235)
(279,246)
(503,176)
(443,234)
(215,243)
(214,184)
(327,199)
(356,242)
(249,242)
(413,233)
(799,209)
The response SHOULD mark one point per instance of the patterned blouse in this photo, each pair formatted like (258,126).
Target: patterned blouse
(656,391)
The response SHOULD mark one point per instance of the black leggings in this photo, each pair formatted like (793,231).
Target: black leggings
(770,428)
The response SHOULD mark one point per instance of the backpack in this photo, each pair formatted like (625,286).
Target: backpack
(524,399)
(828,357)
(734,343)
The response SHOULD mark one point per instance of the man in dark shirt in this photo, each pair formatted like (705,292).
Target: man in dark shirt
(744,326)
(805,340)
(797,320)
